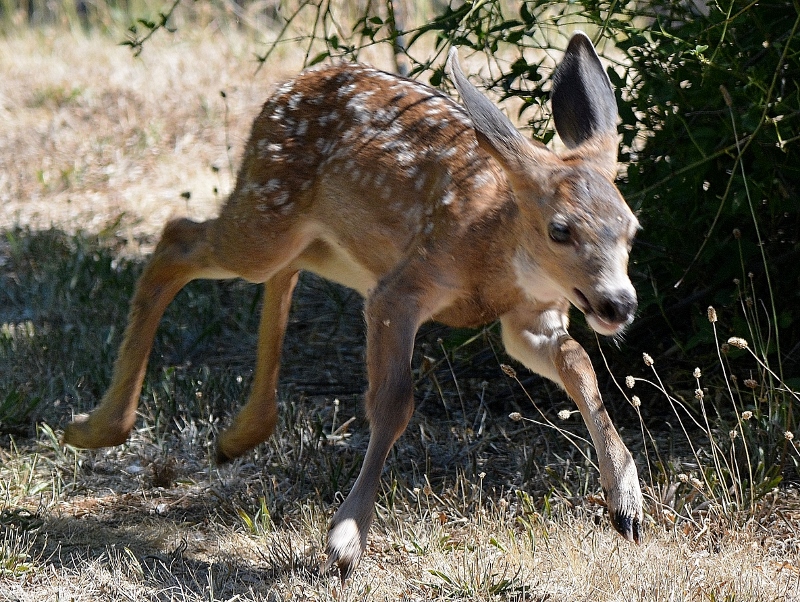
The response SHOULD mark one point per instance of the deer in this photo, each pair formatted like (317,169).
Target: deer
(431,211)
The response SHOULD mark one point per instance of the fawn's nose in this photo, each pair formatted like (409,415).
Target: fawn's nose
(617,308)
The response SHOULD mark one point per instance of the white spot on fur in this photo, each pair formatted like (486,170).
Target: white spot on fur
(294,101)
(267,149)
(345,90)
(405,157)
(325,119)
(480,180)
(387,115)
(285,88)
(277,113)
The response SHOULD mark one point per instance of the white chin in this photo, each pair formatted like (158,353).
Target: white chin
(605,328)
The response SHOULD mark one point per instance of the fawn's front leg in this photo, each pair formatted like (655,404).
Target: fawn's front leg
(394,312)
(540,341)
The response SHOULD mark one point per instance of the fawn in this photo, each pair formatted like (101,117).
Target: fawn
(432,212)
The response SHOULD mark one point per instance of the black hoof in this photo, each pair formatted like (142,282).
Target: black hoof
(628,526)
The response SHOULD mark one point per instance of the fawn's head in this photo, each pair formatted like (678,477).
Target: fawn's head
(574,229)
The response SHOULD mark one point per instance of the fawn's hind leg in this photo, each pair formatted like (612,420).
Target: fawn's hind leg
(184,253)
(256,420)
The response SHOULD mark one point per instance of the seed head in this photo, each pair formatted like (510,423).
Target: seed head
(508,370)
(733,434)
(515,416)
(635,401)
(629,382)
(697,483)
(564,414)
(738,342)
(427,489)
(726,96)
(712,314)
(698,394)
(482,476)
(697,373)
(788,435)
(747,415)
(683,477)
(750,383)
(648,361)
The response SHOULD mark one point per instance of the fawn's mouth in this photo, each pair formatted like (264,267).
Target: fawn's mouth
(599,324)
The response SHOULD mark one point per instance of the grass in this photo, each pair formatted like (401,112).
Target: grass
(97,151)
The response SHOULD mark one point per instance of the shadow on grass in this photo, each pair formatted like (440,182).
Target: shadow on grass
(163,551)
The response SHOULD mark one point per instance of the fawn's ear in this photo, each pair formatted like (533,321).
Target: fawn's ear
(584,106)
(495,132)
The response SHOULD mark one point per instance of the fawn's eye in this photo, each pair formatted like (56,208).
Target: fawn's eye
(559,232)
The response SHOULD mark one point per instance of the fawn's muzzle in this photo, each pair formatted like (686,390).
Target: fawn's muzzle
(610,313)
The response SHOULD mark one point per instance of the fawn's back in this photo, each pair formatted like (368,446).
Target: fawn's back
(359,168)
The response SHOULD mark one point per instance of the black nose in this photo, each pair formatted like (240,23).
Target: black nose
(617,308)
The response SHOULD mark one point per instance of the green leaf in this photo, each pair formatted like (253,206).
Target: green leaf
(319,58)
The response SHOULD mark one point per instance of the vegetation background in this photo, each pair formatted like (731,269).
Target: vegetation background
(102,143)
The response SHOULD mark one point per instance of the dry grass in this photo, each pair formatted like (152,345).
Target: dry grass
(96,141)
(127,524)
(90,133)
